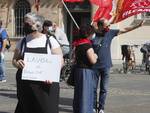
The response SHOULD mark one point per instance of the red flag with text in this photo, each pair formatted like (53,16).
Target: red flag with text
(122,9)
(127,8)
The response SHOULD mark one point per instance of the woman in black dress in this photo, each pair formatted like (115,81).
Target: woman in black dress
(35,96)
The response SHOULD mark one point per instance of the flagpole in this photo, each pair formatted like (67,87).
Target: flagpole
(70,14)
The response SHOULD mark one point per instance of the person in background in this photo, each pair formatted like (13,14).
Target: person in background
(35,96)
(3,41)
(46,26)
(131,62)
(101,44)
(84,75)
(52,29)
(145,49)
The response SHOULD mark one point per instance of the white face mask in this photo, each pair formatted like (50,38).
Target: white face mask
(50,29)
(93,36)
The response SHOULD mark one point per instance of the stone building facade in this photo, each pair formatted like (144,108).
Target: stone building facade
(13,11)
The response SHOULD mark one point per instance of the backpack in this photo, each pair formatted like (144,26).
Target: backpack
(8,43)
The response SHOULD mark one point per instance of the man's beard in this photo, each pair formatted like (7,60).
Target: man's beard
(100,33)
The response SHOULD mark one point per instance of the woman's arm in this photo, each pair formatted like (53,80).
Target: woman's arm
(17,61)
(58,51)
(91,56)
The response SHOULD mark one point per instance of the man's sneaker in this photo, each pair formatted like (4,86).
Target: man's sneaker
(94,110)
(101,111)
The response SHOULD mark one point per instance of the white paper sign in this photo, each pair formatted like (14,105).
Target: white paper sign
(41,67)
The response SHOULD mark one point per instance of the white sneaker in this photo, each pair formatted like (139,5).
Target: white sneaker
(94,110)
(101,111)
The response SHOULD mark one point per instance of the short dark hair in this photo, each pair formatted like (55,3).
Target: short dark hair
(47,23)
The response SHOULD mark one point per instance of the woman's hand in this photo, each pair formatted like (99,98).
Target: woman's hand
(20,64)
(48,82)
(17,60)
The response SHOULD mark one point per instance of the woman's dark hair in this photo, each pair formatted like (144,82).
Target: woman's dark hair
(47,23)
(100,23)
(85,31)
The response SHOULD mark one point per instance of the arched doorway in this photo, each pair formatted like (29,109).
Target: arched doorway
(22,7)
(82,15)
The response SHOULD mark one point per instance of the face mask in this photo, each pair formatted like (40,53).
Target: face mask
(93,36)
(50,29)
(28,28)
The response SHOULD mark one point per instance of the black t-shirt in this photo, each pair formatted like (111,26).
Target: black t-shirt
(81,55)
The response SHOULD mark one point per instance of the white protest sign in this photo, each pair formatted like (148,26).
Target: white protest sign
(41,67)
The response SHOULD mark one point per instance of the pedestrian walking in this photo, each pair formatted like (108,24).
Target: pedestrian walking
(3,41)
(35,96)
(101,45)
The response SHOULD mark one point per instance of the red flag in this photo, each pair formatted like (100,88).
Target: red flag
(102,13)
(121,8)
(102,3)
(73,0)
(127,8)
(105,7)
(37,4)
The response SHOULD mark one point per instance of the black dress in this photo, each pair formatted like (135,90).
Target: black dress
(35,96)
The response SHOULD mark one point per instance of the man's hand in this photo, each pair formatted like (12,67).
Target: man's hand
(94,24)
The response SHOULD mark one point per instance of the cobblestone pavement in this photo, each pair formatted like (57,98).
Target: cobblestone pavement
(128,93)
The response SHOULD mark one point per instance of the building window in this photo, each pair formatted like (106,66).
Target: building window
(22,7)
(81,13)
(79,6)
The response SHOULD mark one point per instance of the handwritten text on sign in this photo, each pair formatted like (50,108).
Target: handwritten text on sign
(41,67)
